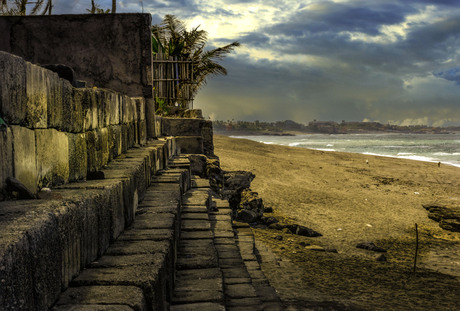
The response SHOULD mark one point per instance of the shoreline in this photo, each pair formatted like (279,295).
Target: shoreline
(408,157)
(350,201)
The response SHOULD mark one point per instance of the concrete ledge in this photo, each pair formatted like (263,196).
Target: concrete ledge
(45,243)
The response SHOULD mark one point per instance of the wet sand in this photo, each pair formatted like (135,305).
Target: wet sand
(353,198)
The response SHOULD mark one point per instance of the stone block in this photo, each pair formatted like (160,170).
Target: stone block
(142,132)
(202,306)
(124,138)
(182,127)
(6,156)
(114,190)
(13,98)
(150,117)
(78,156)
(94,150)
(30,256)
(131,134)
(112,109)
(189,144)
(115,145)
(128,109)
(193,114)
(140,108)
(104,295)
(208,143)
(92,307)
(145,277)
(54,96)
(103,133)
(158,121)
(16,274)
(52,156)
(24,159)
(89,108)
(37,101)
(72,113)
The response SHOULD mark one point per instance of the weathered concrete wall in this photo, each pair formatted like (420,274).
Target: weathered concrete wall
(193,136)
(58,133)
(106,50)
(45,243)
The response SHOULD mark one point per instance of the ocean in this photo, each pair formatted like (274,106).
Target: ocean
(444,148)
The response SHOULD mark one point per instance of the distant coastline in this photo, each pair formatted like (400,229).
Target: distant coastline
(290,128)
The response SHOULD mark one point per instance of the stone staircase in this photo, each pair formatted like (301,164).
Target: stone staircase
(182,252)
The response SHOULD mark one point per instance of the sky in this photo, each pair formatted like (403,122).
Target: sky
(391,61)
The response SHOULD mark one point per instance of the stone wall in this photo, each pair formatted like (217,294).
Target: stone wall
(58,133)
(106,50)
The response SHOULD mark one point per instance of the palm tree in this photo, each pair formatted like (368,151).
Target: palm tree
(172,39)
(114,6)
(19,7)
(95,9)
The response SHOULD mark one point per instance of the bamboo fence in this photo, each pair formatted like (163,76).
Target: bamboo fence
(173,80)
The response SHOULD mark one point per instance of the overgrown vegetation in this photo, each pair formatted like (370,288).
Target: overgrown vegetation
(19,7)
(172,40)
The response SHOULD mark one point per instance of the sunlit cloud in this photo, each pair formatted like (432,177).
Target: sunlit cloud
(387,60)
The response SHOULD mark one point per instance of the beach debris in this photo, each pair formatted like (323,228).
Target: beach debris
(416,193)
(339,229)
(304,231)
(367,161)
(369,225)
(370,246)
(381,257)
(304,244)
(268,220)
(279,237)
(439,164)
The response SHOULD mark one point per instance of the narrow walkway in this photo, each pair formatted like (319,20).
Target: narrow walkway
(216,266)
(183,252)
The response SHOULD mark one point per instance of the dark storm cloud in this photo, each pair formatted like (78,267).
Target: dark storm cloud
(333,17)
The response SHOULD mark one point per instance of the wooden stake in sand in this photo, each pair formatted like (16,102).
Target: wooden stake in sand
(416,247)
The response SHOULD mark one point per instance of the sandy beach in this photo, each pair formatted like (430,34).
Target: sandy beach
(349,199)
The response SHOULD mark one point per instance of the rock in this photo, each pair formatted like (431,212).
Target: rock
(304,231)
(279,237)
(238,180)
(292,228)
(381,257)
(247,216)
(370,246)
(447,216)
(251,200)
(450,224)
(286,230)
(268,209)
(15,185)
(269,220)
(259,226)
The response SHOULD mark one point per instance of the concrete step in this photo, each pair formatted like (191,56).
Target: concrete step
(217,268)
